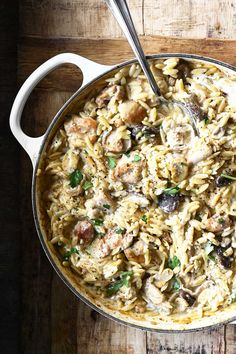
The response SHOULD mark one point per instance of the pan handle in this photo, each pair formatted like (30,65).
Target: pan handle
(89,69)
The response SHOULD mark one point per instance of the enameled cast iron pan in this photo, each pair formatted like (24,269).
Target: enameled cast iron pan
(94,76)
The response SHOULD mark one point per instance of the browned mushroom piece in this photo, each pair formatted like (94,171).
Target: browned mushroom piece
(135,253)
(84,231)
(107,93)
(193,105)
(77,126)
(132,113)
(184,69)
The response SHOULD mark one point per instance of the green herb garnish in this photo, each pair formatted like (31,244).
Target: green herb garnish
(136,158)
(221,221)
(87,185)
(175,284)
(123,281)
(67,255)
(75,178)
(144,218)
(106,206)
(147,135)
(98,222)
(232,297)
(111,162)
(172,190)
(174,262)
(127,154)
(209,249)
(228,177)
(119,230)
(206,120)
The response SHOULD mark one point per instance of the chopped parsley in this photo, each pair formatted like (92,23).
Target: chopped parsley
(119,230)
(75,178)
(67,255)
(106,206)
(147,135)
(111,162)
(87,185)
(209,249)
(136,158)
(171,190)
(228,177)
(175,284)
(174,262)
(98,222)
(206,120)
(144,218)
(127,154)
(123,281)
(232,297)
(221,221)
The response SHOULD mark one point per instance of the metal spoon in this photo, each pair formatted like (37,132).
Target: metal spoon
(120,11)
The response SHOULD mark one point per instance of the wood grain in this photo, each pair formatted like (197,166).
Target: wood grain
(91,18)
(53,320)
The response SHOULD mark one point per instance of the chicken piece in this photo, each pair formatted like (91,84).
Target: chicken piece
(199,151)
(217,223)
(70,161)
(107,93)
(111,243)
(132,113)
(81,127)
(84,231)
(138,199)
(178,167)
(129,168)
(179,137)
(113,142)
(152,293)
(99,204)
(136,252)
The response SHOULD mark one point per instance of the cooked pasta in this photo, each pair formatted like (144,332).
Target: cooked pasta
(139,207)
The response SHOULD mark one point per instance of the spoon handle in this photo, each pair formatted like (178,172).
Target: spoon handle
(120,11)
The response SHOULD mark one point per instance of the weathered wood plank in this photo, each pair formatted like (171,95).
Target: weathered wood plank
(34,51)
(190,19)
(205,342)
(98,335)
(91,18)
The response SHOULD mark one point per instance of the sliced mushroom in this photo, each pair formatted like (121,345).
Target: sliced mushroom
(132,113)
(184,69)
(222,181)
(226,261)
(193,105)
(179,169)
(81,127)
(169,202)
(107,93)
(84,231)
(113,142)
(217,223)
(152,293)
(128,170)
(186,296)
(161,279)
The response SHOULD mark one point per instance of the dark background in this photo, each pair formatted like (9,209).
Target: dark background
(9,193)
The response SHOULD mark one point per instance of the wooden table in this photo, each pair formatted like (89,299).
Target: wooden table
(52,319)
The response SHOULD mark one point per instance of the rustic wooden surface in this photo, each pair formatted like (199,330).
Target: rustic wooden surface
(53,320)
